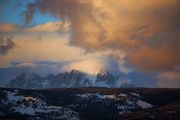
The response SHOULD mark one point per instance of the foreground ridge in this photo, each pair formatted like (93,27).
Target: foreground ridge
(89,103)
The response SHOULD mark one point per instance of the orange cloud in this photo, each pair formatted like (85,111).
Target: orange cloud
(46,27)
(9,28)
(30,48)
(168,80)
(49,27)
(155,58)
(144,30)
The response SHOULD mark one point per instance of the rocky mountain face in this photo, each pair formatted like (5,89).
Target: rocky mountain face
(70,79)
(27,80)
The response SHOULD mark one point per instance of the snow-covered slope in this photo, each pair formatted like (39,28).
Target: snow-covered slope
(34,108)
(88,104)
(122,102)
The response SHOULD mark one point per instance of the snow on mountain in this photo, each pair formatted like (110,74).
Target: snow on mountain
(74,78)
(27,80)
(144,104)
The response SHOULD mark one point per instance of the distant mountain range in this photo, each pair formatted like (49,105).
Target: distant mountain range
(72,79)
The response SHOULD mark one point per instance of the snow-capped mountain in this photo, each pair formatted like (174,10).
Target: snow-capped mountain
(27,80)
(74,78)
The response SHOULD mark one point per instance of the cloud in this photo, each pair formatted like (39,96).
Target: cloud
(156,59)
(148,31)
(91,66)
(46,27)
(87,65)
(94,65)
(49,27)
(40,67)
(169,80)
(6,44)
(7,27)
(30,48)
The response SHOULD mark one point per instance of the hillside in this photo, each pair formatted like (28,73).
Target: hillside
(89,103)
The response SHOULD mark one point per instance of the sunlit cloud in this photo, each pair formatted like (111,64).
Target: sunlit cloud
(46,27)
(120,25)
(53,47)
(94,65)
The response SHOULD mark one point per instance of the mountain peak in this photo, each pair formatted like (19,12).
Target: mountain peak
(75,71)
(28,73)
(26,80)
(73,78)
(104,72)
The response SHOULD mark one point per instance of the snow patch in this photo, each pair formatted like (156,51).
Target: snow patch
(135,94)
(34,106)
(144,104)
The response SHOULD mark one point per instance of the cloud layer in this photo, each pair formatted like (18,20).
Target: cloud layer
(94,65)
(42,28)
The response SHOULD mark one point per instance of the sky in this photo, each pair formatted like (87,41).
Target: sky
(141,39)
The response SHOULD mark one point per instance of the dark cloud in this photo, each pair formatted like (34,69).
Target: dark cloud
(28,15)
(6,44)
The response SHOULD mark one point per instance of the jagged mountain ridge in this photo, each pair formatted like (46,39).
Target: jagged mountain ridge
(27,80)
(74,78)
